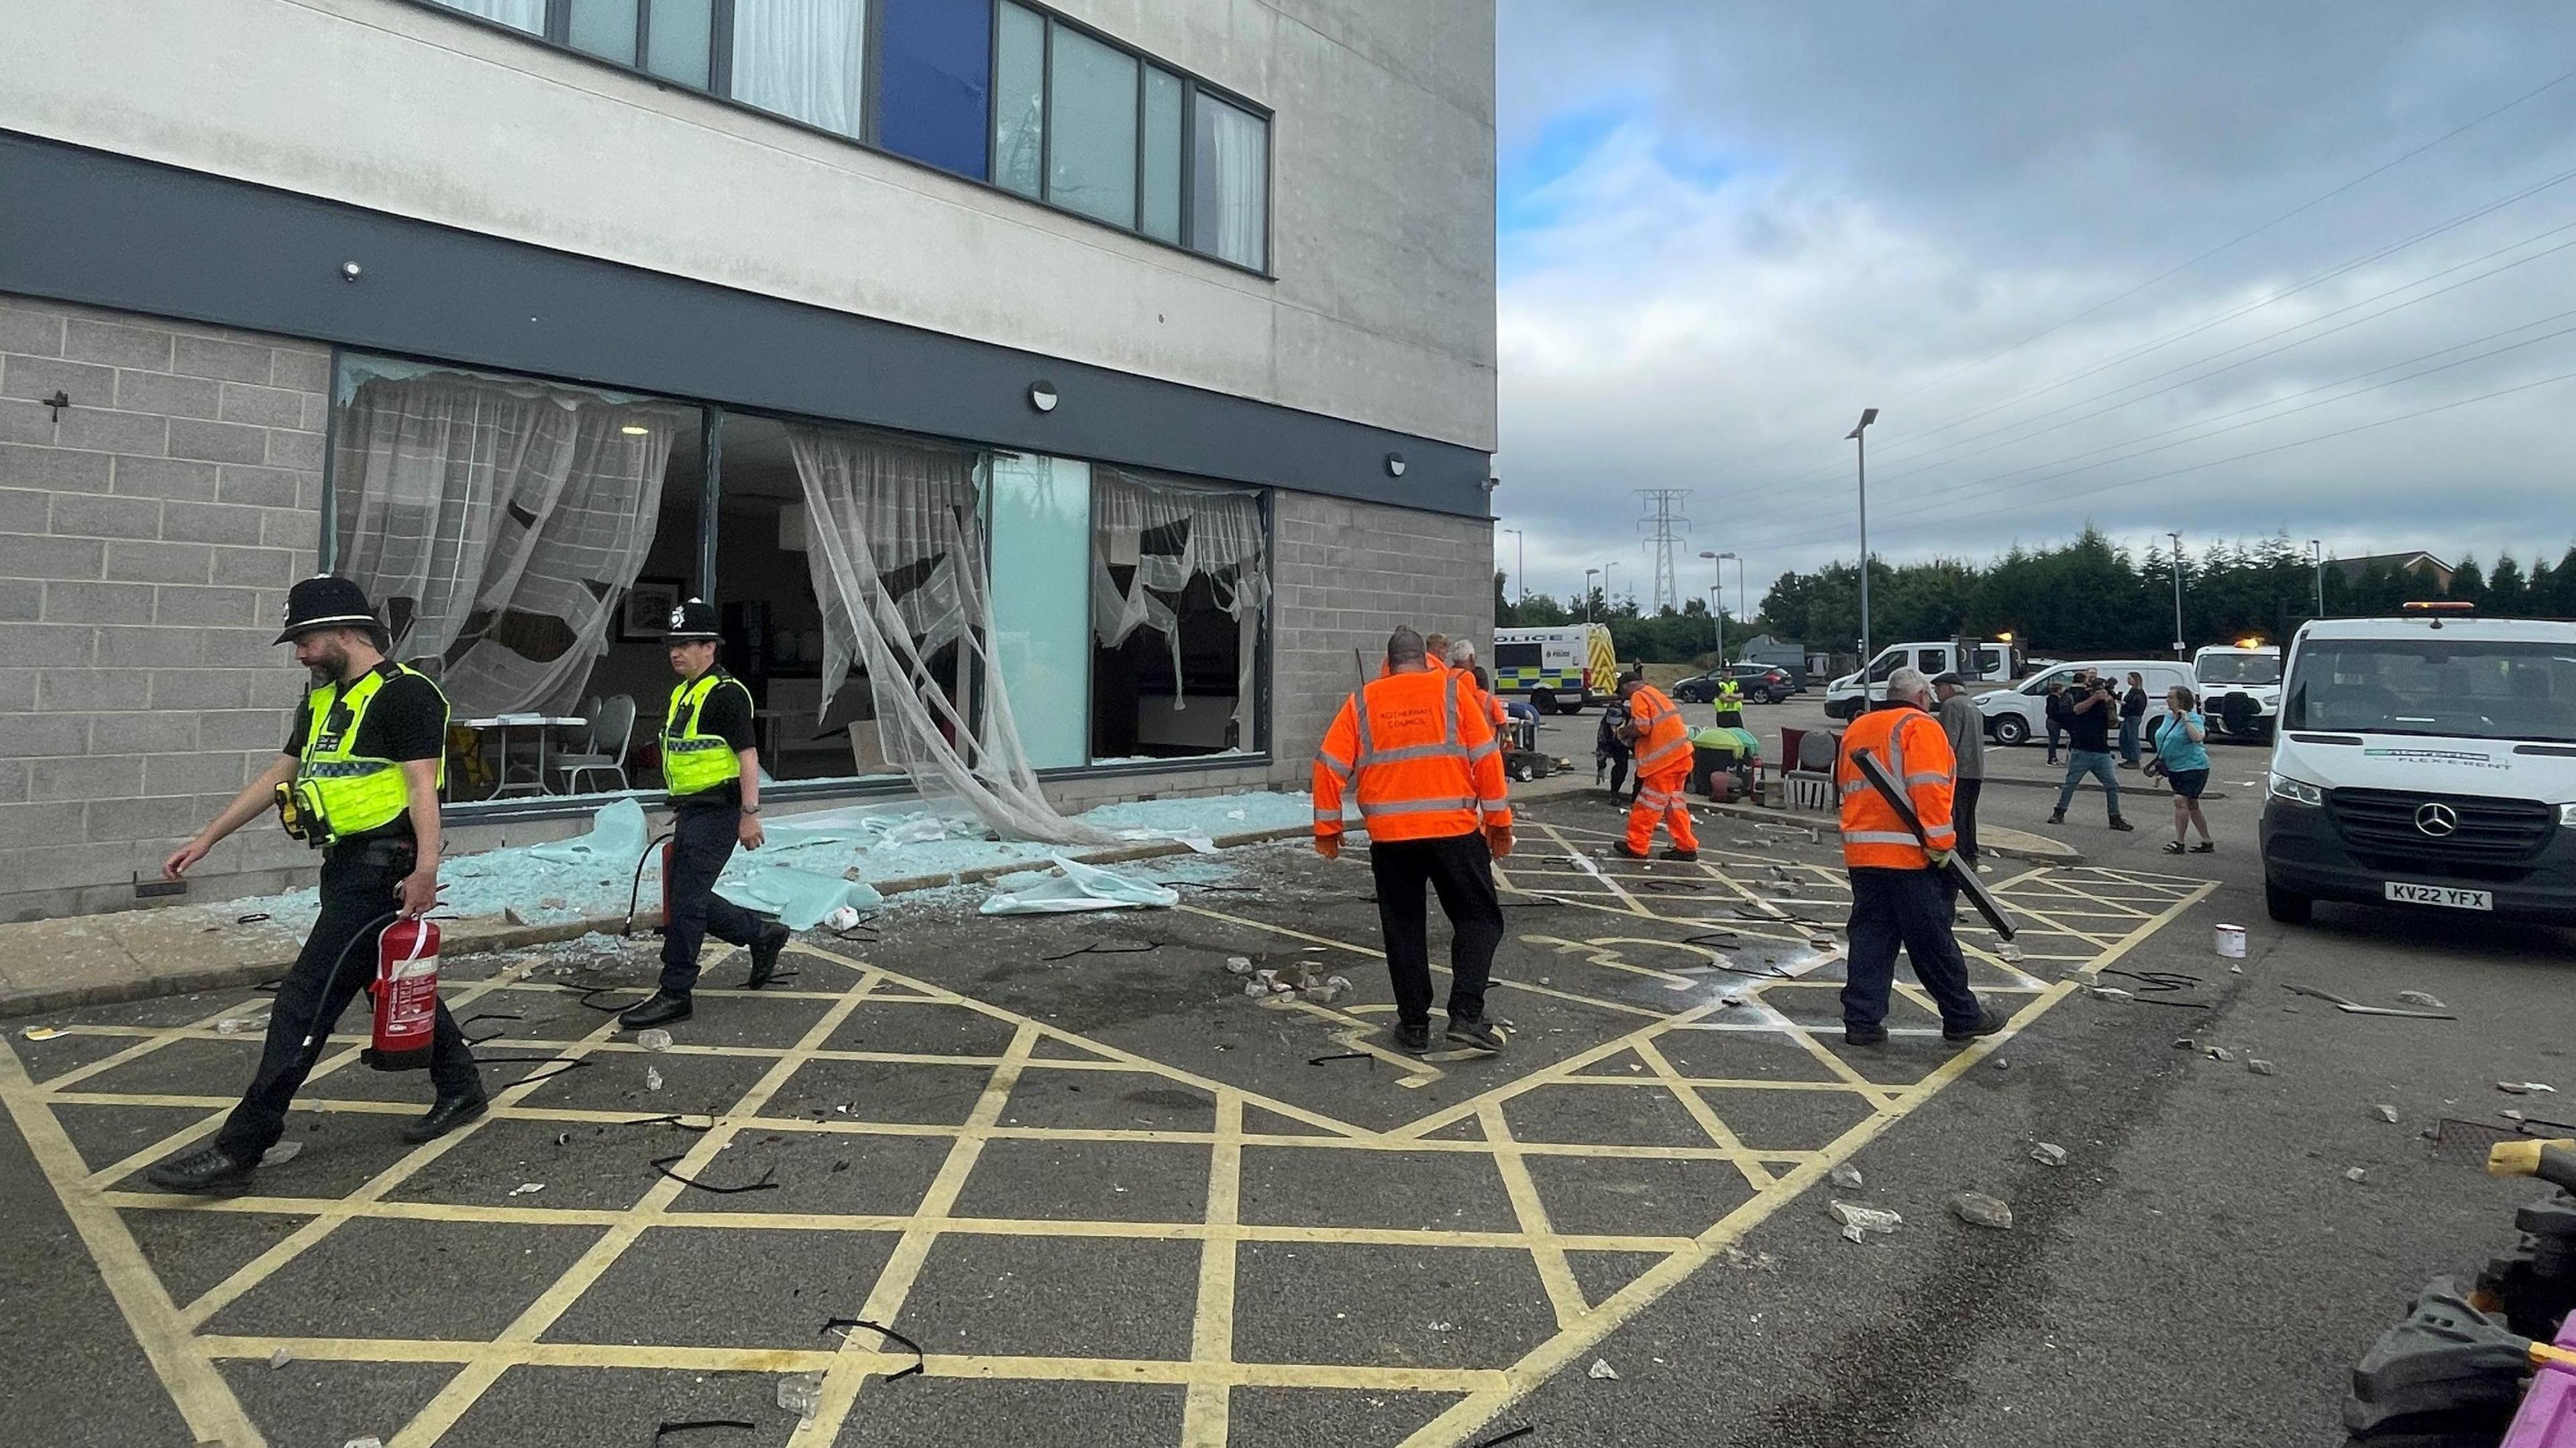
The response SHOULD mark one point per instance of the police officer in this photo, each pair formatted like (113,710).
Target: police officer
(362,767)
(711,764)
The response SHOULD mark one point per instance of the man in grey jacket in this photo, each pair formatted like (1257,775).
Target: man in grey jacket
(1967,730)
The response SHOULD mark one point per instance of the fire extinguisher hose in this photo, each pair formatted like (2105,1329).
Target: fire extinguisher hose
(635,895)
(365,932)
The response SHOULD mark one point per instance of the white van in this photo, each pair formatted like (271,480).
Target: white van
(2427,762)
(1560,670)
(1846,698)
(2020,713)
(2244,684)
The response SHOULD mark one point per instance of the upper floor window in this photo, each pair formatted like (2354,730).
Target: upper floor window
(992,90)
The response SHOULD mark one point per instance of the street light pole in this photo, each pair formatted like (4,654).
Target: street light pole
(2177,573)
(1717,596)
(1605,584)
(2317,556)
(1860,455)
(1740,606)
(1588,575)
(1520,563)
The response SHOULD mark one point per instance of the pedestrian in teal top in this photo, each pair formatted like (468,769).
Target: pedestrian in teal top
(2182,748)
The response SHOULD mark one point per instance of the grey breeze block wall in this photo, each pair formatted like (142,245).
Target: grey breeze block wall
(148,533)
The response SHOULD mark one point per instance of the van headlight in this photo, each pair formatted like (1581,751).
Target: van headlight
(2567,816)
(2299,791)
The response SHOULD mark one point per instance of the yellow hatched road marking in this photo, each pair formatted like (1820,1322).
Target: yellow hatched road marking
(1209,1372)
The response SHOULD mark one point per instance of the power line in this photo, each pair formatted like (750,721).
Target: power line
(2354,263)
(2243,456)
(2300,209)
(1757,513)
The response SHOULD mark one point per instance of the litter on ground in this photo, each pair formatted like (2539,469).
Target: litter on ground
(1979,1210)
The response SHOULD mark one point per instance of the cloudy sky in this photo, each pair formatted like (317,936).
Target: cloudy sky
(2021,231)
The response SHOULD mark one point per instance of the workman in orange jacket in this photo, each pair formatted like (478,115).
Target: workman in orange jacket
(1462,661)
(1663,748)
(1422,765)
(1899,895)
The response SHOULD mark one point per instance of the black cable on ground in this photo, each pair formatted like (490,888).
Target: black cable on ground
(635,894)
(1114,947)
(694,1425)
(567,1065)
(920,1359)
(767,1183)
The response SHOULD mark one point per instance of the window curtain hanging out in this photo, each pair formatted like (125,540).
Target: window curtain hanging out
(494,524)
(897,557)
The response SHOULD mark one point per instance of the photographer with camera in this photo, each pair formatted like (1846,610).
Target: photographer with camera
(2090,709)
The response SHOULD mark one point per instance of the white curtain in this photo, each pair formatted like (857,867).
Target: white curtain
(1220,540)
(1238,145)
(896,550)
(527,15)
(494,525)
(802,58)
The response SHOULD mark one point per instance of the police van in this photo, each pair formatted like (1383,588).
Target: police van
(2426,762)
(1559,670)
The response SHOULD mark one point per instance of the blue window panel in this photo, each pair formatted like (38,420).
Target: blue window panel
(935,72)
(605,28)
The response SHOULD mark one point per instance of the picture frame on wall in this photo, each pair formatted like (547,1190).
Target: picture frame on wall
(644,615)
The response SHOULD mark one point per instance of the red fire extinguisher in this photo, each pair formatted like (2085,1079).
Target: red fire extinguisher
(406,993)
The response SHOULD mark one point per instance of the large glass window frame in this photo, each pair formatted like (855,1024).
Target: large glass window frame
(1146,221)
(703,579)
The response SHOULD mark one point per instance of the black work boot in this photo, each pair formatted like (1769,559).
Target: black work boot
(446,1114)
(2118,823)
(1627,851)
(1676,852)
(207,1171)
(1854,1035)
(662,1009)
(764,954)
(1989,1022)
(2057,816)
(1478,1033)
(1413,1036)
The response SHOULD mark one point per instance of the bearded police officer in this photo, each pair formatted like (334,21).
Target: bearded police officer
(359,779)
(711,765)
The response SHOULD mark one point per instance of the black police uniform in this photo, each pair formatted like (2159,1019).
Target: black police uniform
(706,824)
(362,876)
(705,827)
(360,891)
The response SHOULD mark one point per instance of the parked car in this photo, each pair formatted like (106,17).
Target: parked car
(2020,713)
(1760,683)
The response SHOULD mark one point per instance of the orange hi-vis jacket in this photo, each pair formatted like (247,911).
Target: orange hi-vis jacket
(1663,740)
(1489,703)
(1421,766)
(1916,754)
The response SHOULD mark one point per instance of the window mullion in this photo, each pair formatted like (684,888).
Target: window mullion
(720,47)
(1046,109)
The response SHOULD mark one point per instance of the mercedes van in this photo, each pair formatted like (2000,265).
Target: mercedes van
(2427,763)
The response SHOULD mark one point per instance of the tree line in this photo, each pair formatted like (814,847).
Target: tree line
(2087,596)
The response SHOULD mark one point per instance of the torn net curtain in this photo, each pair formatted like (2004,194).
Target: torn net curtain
(1213,533)
(897,552)
(494,525)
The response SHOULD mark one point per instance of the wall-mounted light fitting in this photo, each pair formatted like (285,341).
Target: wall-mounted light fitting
(350,271)
(1395,465)
(1042,396)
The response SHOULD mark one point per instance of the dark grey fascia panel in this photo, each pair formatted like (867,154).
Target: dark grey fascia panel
(105,230)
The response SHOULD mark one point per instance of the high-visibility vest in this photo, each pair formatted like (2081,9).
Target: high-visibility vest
(1492,705)
(1420,766)
(1915,751)
(1730,694)
(1663,740)
(693,762)
(357,792)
